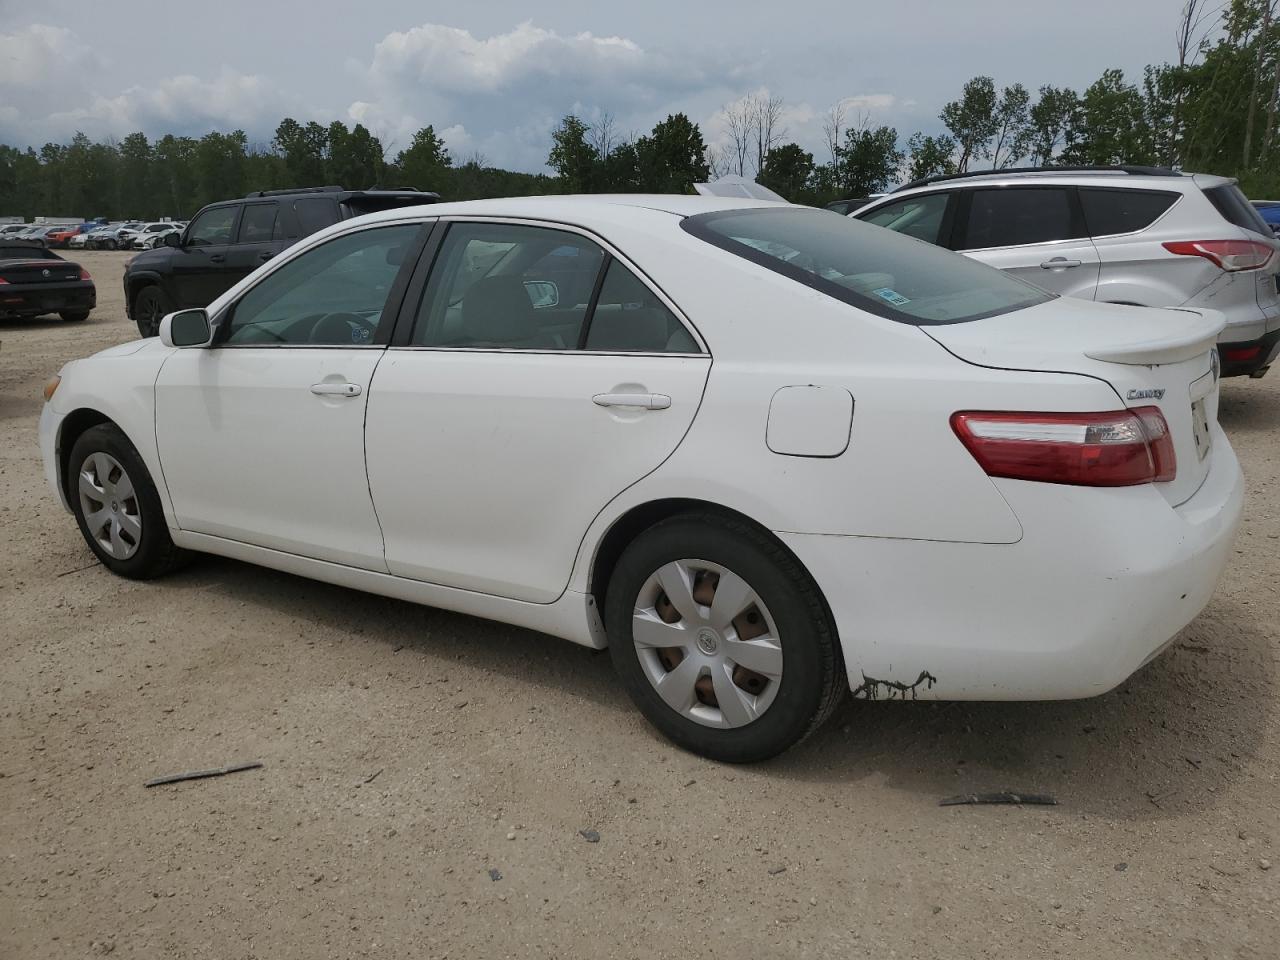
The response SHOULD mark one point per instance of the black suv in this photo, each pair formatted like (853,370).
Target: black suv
(230,239)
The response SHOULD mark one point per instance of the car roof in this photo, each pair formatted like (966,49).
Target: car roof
(578,208)
(1134,179)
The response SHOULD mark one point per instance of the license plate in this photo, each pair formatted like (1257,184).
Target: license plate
(1200,429)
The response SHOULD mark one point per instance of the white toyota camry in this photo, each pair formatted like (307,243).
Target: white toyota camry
(762,452)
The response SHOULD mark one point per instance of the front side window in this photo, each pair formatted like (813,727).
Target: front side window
(1017,216)
(875,270)
(331,295)
(919,217)
(258,223)
(212,227)
(508,286)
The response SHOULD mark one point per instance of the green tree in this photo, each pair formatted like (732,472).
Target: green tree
(424,163)
(673,157)
(972,121)
(355,156)
(1055,123)
(787,171)
(929,156)
(572,158)
(868,161)
(1013,127)
(1114,129)
(304,149)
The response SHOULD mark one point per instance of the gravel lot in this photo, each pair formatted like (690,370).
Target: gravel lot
(409,752)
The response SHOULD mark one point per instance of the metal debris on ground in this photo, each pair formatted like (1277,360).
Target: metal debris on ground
(202,774)
(774,871)
(373,776)
(591,836)
(495,874)
(981,798)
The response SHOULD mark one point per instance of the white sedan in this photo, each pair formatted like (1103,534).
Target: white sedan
(761,452)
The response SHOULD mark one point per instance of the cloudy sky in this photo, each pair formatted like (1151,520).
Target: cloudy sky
(495,76)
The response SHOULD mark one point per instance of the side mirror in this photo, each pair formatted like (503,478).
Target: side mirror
(173,239)
(542,293)
(186,328)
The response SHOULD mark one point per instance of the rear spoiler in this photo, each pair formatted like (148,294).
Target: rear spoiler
(1196,334)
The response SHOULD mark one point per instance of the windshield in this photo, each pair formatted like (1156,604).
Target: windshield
(868,267)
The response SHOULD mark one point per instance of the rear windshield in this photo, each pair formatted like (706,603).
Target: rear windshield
(871,268)
(26,253)
(1233,206)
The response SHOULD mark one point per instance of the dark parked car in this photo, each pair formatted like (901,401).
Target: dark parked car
(34,280)
(846,207)
(228,240)
(1269,210)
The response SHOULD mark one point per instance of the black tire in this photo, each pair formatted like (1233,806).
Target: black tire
(75,316)
(109,244)
(155,553)
(812,681)
(149,307)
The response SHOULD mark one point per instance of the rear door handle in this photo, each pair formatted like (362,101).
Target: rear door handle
(1060,263)
(336,389)
(645,401)
(265,255)
(216,258)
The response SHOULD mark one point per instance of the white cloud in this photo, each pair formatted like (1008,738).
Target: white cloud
(36,56)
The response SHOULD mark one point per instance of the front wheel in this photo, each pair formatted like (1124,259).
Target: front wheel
(722,639)
(117,506)
(149,308)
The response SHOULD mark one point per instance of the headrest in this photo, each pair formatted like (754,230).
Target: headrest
(498,309)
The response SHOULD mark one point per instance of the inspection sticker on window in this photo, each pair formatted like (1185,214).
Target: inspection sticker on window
(892,296)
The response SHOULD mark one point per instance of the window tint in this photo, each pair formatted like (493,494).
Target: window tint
(332,294)
(212,226)
(508,286)
(1018,215)
(315,213)
(630,317)
(258,223)
(1109,212)
(919,217)
(874,270)
(1230,202)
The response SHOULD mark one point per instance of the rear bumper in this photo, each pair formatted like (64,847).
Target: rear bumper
(1249,357)
(33,299)
(1101,581)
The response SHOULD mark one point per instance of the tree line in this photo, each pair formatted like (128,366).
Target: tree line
(1213,109)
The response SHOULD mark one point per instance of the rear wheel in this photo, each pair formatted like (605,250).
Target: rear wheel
(117,506)
(74,316)
(722,639)
(149,308)
(109,244)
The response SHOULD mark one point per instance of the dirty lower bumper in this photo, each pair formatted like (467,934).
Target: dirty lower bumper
(1101,581)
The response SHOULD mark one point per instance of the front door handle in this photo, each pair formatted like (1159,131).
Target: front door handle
(336,389)
(265,255)
(645,401)
(216,258)
(1060,263)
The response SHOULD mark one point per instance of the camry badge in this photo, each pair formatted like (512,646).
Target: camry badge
(1151,393)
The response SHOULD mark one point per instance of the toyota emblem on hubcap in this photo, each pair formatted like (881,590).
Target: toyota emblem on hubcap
(708,641)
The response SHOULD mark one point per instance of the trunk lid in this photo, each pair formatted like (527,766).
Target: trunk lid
(1149,357)
(38,271)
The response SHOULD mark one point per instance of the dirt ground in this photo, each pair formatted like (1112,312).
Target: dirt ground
(409,752)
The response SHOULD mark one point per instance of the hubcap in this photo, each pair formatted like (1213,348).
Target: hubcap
(110,506)
(707,643)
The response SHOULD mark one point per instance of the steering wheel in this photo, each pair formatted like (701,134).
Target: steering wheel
(354,329)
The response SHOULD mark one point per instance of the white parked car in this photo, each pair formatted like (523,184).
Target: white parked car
(761,452)
(136,238)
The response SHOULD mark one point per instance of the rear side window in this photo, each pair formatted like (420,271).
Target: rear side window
(1017,216)
(315,213)
(920,217)
(258,223)
(1231,203)
(877,271)
(629,318)
(1108,212)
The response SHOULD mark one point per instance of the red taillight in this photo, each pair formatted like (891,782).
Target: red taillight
(1114,449)
(1230,255)
(84,274)
(3,280)
(1242,354)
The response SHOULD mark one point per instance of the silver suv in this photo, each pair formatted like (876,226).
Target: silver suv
(1133,235)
